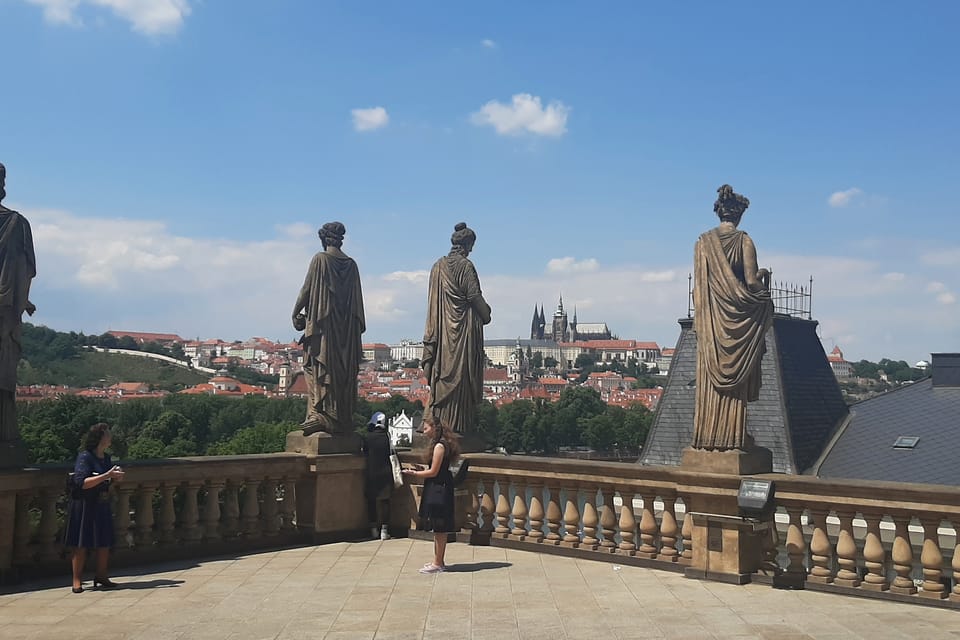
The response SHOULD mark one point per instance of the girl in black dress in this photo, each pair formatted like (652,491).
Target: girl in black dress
(436,503)
(90,523)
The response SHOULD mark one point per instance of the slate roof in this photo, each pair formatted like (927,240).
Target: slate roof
(864,448)
(800,402)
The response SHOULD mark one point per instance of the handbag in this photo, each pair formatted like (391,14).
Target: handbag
(434,495)
(395,468)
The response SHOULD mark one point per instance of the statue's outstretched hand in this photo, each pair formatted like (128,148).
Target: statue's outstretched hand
(30,308)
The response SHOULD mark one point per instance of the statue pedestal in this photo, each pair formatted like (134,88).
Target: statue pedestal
(12,454)
(726,548)
(733,462)
(321,443)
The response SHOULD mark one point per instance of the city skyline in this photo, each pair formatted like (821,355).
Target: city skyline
(175,176)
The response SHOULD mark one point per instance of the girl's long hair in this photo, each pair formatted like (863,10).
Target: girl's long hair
(444,435)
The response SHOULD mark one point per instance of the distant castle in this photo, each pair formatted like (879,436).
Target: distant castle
(563,331)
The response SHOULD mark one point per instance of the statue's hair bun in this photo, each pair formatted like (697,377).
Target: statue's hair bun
(460,226)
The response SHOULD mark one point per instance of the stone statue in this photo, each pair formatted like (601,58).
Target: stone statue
(18,266)
(733,311)
(453,356)
(329,311)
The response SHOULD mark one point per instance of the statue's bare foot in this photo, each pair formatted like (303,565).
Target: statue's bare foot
(313,424)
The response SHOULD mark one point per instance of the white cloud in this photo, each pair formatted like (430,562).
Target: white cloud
(413,277)
(369,119)
(525,114)
(569,264)
(936,287)
(844,198)
(894,276)
(946,298)
(487,43)
(943,257)
(150,17)
(296,230)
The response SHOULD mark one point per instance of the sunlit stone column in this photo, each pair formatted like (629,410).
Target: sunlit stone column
(955,565)
(250,515)
(932,560)
(686,532)
(167,518)
(668,531)
(231,509)
(144,514)
(821,551)
(590,519)
(874,557)
(190,529)
(211,510)
(536,512)
(571,519)
(902,556)
(796,546)
(488,508)
(628,524)
(554,516)
(519,513)
(502,529)
(121,517)
(271,511)
(473,511)
(847,575)
(648,529)
(608,521)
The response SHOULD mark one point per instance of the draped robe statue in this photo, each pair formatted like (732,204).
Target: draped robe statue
(733,312)
(453,356)
(18,267)
(332,319)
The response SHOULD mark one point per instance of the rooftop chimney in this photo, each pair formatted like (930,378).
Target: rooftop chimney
(946,369)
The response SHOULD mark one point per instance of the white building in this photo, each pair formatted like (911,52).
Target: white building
(402,427)
(406,351)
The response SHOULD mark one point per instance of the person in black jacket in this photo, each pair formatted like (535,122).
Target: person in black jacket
(378,478)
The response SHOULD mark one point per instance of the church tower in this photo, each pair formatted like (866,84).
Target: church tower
(559,333)
(543,324)
(572,332)
(535,325)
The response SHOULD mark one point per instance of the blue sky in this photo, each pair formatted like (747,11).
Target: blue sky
(176,157)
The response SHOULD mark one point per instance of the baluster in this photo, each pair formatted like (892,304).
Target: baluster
(554,516)
(668,531)
(488,508)
(571,520)
(144,523)
(686,532)
(121,519)
(503,509)
(473,511)
(211,510)
(250,516)
(47,538)
(796,547)
(190,530)
(167,518)
(820,549)
(628,524)
(590,521)
(536,513)
(955,565)
(519,514)
(21,530)
(874,557)
(271,512)
(648,529)
(608,521)
(847,575)
(288,509)
(902,556)
(231,509)
(932,560)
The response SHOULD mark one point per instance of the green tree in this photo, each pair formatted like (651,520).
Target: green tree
(633,431)
(260,438)
(126,342)
(550,362)
(585,360)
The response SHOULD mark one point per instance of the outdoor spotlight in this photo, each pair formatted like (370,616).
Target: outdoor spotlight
(755,498)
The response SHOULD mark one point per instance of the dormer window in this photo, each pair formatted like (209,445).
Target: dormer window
(906,442)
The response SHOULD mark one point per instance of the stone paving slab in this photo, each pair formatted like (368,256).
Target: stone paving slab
(372,590)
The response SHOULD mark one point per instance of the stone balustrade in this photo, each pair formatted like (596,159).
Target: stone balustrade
(163,509)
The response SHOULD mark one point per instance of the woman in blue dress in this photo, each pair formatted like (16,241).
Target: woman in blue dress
(436,503)
(90,524)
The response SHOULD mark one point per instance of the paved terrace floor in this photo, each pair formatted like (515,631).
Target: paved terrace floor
(373,590)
